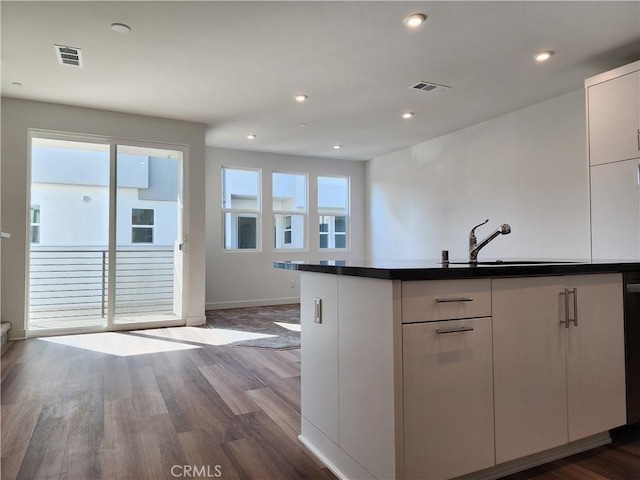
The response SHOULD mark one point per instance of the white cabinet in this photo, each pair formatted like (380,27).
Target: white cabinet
(615,210)
(429,300)
(613,103)
(613,120)
(319,353)
(555,382)
(448,398)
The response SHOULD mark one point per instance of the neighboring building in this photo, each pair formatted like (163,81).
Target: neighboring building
(70,199)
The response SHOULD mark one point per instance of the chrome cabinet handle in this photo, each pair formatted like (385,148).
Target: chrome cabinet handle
(568,320)
(575,306)
(566,308)
(451,300)
(639,139)
(639,174)
(454,330)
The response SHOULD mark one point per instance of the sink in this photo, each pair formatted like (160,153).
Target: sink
(512,262)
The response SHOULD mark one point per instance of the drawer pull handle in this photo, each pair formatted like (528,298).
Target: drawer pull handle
(452,300)
(454,330)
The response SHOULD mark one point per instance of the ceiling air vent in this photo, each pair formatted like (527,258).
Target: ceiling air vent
(430,87)
(69,55)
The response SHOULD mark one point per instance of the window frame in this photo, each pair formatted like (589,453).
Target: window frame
(151,227)
(331,232)
(291,213)
(237,213)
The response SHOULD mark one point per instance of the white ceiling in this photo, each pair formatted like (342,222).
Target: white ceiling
(236,66)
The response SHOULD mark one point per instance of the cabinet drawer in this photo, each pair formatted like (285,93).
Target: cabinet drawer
(448,398)
(426,301)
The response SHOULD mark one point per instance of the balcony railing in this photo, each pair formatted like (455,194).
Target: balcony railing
(70,286)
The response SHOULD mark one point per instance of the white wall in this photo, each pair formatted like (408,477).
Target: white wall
(20,115)
(246,278)
(527,168)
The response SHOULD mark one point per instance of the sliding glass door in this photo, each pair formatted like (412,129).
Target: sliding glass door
(96,201)
(148,286)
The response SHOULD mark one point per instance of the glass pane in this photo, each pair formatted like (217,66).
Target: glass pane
(141,216)
(289,192)
(148,232)
(333,195)
(35,214)
(289,230)
(333,231)
(141,235)
(35,235)
(68,257)
(240,231)
(240,189)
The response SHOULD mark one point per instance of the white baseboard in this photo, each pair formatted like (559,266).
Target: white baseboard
(337,460)
(541,458)
(17,334)
(252,303)
(195,321)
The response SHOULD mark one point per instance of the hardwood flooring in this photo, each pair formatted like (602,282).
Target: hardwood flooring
(76,413)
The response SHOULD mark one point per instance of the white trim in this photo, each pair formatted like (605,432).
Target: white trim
(17,334)
(322,447)
(252,303)
(112,143)
(196,321)
(611,74)
(541,458)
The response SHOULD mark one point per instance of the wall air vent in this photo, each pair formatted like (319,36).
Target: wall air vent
(430,87)
(69,55)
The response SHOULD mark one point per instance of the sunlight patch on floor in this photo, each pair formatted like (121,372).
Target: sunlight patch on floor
(238,336)
(205,336)
(294,327)
(119,344)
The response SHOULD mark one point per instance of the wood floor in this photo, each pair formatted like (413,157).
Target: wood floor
(74,413)
(78,414)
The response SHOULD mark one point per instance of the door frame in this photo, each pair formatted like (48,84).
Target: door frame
(112,143)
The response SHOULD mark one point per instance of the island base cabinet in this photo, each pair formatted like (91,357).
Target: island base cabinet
(556,381)
(448,398)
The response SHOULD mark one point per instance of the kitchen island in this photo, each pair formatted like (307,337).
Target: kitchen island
(415,370)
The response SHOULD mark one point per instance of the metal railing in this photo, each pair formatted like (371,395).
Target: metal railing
(72,285)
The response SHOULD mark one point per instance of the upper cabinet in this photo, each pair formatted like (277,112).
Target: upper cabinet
(613,115)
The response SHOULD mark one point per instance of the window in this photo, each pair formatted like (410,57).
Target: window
(142,222)
(241,208)
(287,230)
(333,211)
(289,210)
(35,224)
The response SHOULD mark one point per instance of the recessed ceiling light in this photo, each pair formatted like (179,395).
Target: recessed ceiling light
(542,56)
(301,97)
(120,28)
(337,147)
(407,115)
(251,136)
(415,20)
(302,124)
(17,84)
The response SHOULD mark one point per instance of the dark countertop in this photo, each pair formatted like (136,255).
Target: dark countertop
(432,270)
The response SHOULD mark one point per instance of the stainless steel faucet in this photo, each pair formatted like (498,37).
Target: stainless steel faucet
(475,247)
